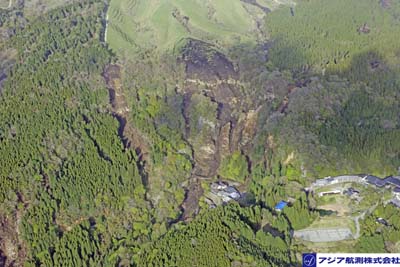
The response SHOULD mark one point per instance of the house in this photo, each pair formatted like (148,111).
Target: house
(218,186)
(351,192)
(281,205)
(323,182)
(331,192)
(382,221)
(337,180)
(393,180)
(396,192)
(232,192)
(396,202)
(222,192)
(349,179)
(364,29)
(226,193)
(376,181)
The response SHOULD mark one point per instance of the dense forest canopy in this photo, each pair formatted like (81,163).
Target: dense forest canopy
(121,120)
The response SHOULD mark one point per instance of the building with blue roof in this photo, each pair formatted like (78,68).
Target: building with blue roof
(281,205)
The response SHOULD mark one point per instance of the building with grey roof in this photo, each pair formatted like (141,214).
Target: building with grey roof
(396,202)
(375,181)
(393,180)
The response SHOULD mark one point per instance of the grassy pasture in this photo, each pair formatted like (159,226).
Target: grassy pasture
(138,24)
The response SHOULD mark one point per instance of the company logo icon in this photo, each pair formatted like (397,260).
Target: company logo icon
(309,260)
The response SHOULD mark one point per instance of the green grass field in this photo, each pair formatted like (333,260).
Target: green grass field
(138,24)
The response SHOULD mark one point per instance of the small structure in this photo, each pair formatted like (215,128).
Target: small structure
(396,192)
(364,29)
(331,192)
(229,193)
(351,192)
(323,182)
(376,181)
(337,180)
(375,64)
(382,221)
(349,179)
(395,201)
(224,191)
(393,180)
(280,206)
(218,186)
(385,3)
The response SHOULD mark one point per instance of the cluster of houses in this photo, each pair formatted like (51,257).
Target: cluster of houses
(391,182)
(225,191)
(222,192)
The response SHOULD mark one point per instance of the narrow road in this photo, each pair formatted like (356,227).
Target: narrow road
(361,216)
(356,221)
(106,29)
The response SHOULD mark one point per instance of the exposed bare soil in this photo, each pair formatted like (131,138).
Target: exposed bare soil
(131,136)
(12,248)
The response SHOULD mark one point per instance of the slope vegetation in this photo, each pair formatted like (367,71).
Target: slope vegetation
(327,34)
(161,24)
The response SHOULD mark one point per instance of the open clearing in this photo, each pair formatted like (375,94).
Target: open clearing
(334,222)
(5,4)
(138,24)
(340,209)
(324,234)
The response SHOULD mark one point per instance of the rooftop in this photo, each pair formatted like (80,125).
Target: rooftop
(231,189)
(393,180)
(395,202)
(281,205)
(375,180)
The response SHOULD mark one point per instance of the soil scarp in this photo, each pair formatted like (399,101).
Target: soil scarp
(204,62)
(130,136)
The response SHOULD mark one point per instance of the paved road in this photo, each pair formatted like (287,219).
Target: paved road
(106,29)
(361,216)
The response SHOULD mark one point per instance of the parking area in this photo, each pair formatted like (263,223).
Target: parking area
(324,235)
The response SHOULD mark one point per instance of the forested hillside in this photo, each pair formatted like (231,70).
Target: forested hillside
(119,118)
(66,180)
(327,35)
